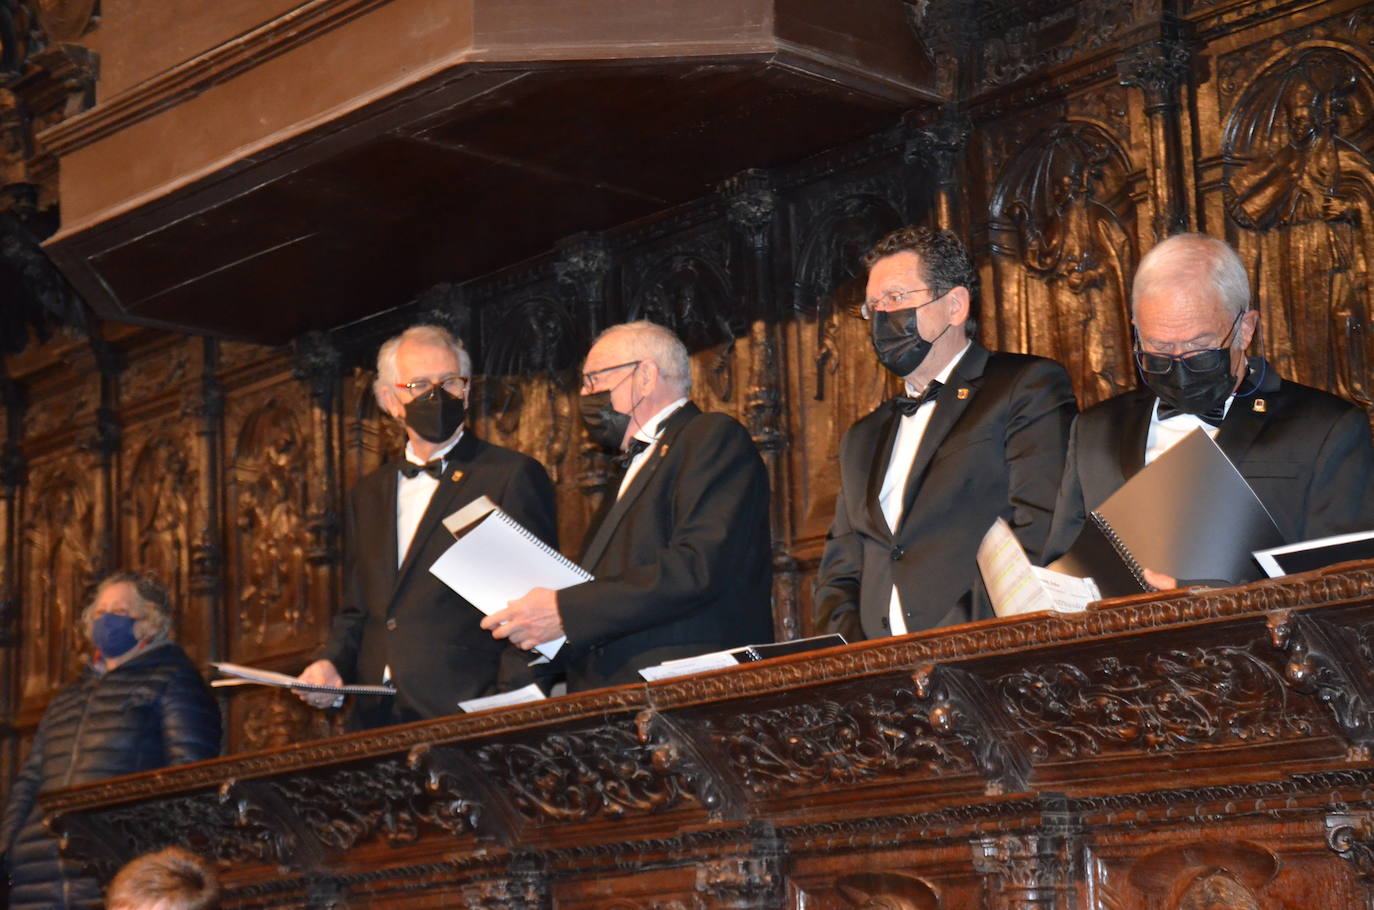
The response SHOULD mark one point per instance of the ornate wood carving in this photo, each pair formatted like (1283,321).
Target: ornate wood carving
(1064,215)
(1300,178)
(850,736)
(603,792)
(268,505)
(584,774)
(1216,695)
(1333,664)
(963,708)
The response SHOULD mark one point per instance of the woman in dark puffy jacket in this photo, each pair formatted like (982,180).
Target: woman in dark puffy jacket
(140,704)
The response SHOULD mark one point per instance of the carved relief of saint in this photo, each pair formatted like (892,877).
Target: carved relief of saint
(1065,219)
(1300,178)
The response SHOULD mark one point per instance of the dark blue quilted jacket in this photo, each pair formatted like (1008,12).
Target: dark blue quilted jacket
(151,711)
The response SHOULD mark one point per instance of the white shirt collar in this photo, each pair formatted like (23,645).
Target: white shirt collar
(415,459)
(943,376)
(653,427)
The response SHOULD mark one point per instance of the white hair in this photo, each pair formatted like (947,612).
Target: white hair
(438,336)
(650,341)
(1184,260)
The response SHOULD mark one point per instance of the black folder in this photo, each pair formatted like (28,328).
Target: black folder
(1189,514)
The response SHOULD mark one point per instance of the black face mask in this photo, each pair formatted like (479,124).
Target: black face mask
(605,425)
(898,342)
(1192,392)
(436,415)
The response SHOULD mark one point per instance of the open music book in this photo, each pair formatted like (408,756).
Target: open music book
(1015,586)
(495,560)
(241,675)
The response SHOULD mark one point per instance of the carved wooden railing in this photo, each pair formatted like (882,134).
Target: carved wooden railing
(1156,751)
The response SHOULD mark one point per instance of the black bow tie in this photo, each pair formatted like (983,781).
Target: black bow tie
(1213,417)
(636,446)
(906,405)
(410,470)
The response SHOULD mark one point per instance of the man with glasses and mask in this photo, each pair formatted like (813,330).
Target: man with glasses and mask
(398,623)
(978,435)
(1306,453)
(681,551)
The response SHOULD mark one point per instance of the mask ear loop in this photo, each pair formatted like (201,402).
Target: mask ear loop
(1264,370)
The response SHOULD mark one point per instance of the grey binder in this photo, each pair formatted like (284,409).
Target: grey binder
(1189,514)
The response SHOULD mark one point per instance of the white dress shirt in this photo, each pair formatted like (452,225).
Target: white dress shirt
(1165,434)
(648,433)
(910,430)
(412,498)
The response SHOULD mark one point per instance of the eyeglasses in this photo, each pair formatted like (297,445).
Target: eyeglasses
(892,300)
(419,388)
(589,379)
(1204,360)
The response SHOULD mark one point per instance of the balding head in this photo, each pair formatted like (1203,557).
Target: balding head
(1195,264)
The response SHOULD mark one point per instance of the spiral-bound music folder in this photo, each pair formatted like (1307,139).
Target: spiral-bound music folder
(496,559)
(1189,514)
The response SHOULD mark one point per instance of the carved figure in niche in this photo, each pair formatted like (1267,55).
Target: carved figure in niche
(1217,890)
(691,296)
(830,282)
(1206,876)
(1063,209)
(534,343)
(886,891)
(270,467)
(60,563)
(159,512)
(1300,177)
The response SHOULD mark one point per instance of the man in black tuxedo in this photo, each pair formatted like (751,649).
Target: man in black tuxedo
(1306,453)
(398,622)
(681,557)
(979,435)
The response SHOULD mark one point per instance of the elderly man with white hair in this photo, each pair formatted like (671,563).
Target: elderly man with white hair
(682,555)
(1306,452)
(398,623)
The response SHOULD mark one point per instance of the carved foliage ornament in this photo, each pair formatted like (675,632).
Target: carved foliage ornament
(1171,700)
(866,737)
(583,775)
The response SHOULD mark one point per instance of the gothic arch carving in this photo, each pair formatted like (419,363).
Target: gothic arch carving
(1062,222)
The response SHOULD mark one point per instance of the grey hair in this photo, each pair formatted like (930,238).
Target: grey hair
(651,341)
(158,622)
(438,336)
(1186,259)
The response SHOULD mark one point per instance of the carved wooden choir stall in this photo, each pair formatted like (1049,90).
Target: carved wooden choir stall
(1203,750)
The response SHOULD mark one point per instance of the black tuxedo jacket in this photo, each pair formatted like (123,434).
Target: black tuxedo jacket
(406,617)
(682,562)
(994,447)
(1306,453)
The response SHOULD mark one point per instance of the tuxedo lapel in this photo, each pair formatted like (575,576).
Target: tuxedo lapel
(952,400)
(1246,418)
(441,504)
(1134,432)
(881,458)
(652,460)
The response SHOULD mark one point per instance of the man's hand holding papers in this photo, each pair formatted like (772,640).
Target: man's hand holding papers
(529,620)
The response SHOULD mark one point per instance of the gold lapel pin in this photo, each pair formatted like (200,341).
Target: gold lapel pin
(962,394)
(662,450)
(1260,406)
(456,476)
